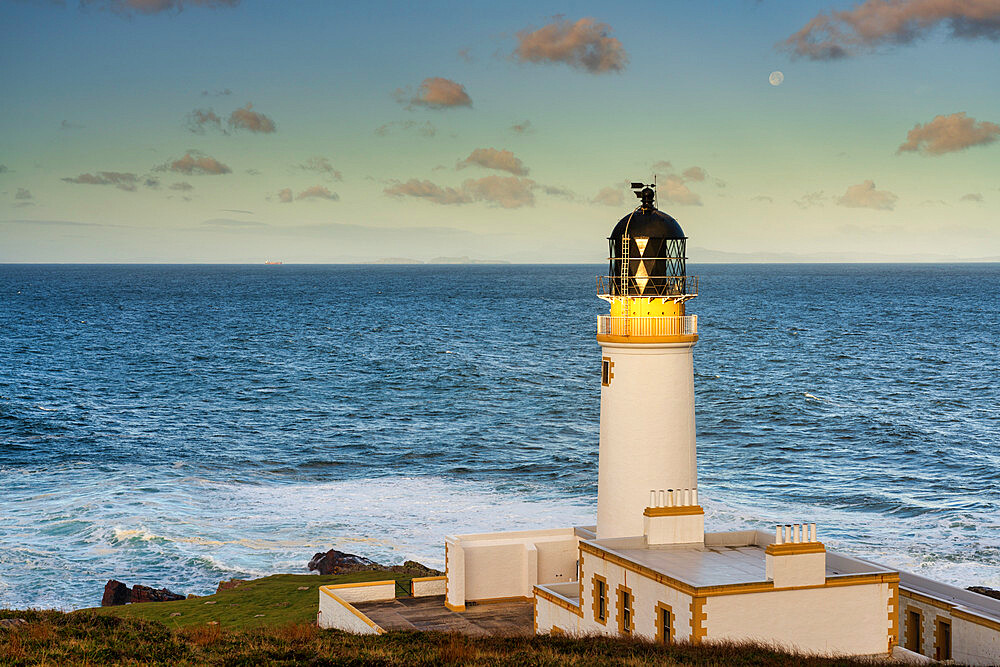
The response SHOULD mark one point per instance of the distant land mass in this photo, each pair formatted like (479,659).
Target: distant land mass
(706,256)
(438,260)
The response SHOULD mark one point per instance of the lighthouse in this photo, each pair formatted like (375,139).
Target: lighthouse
(647,460)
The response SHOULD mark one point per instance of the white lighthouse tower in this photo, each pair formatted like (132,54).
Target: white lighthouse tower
(648,463)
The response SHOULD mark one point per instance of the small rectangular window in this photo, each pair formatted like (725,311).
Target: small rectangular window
(664,624)
(602,600)
(607,371)
(913,631)
(942,648)
(626,623)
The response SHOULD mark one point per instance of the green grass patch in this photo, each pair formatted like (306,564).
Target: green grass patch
(270,601)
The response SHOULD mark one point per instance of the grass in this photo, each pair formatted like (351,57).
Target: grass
(270,601)
(271,621)
(90,638)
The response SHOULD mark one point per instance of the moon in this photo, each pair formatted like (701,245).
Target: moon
(776,78)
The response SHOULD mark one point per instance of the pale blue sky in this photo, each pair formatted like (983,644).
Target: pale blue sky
(94,91)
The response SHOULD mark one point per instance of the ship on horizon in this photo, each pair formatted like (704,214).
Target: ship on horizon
(270,262)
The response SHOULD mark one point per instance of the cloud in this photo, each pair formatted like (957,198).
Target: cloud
(3,169)
(25,194)
(946,134)
(425,129)
(491,158)
(197,120)
(216,93)
(662,166)
(245,118)
(285,196)
(182,186)
(763,198)
(435,93)
(229,222)
(321,166)
(524,127)
(972,196)
(556,191)
(121,180)
(316,192)
(609,196)
(503,191)
(864,195)
(695,174)
(152,183)
(130,7)
(465,55)
(195,162)
(583,45)
(67,125)
(874,23)
(673,189)
(811,199)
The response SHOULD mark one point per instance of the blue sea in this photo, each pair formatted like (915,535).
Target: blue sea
(179,425)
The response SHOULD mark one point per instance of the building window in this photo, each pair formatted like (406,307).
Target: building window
(942,639)
(626,619)
(600,585)
(914,620)
(607,371)
(664,623)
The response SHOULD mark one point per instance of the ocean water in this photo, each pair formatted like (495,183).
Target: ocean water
(178,425)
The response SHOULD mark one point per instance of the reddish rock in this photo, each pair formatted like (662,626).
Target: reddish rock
(148,594)
(115,593)
(227,585)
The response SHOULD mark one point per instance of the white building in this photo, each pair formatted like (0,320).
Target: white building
(648,568)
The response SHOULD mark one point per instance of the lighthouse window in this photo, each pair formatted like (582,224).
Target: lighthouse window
(664,623)
(625,624)
(600,599)
(607,371)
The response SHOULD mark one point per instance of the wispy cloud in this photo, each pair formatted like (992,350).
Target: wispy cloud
(67,125)
(947,134)
(121,180)
(503,191)
(811,199)
(875,23)
(199,119)
(763,198)
(182,186)
(23,193)
(194,163)
(425,129)
(321,166)
(131,7)
(216,93)
(245,118)
(435,93)
(235,224)
(585,44)
(285,196)
(3,169)
(317,192)
(491,158)
(864,195)
(524,127)
(610,196)
(673,187)
(972,196)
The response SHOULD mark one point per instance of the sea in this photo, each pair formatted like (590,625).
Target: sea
(180,425)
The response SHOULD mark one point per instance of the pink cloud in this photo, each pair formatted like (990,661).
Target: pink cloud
(435,93)
(194,162)
(946,134)
(874,23)
(491,158)
(503,191)
(245,118)
(584,45)
(864,195)
(317,192)
(609,196)
(129,7)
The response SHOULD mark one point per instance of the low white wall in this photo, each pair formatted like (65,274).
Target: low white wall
(337,613)
(487,566)
(364,591)
(421,587)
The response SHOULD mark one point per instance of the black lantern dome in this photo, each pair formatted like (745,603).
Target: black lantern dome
(648,252)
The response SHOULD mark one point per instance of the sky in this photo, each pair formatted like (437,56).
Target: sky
(228,131)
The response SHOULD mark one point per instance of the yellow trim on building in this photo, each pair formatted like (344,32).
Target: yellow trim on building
(437,578)
(603,620)
(664,608)
(684,510)
(558,601)
(621,607)
(978,620)
(347,605)
(893,608)
(453,607)
(362,584)
(698,618)
(793,548)
(950,608)
(512,598)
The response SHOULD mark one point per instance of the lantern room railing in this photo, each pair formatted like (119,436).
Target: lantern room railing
(614,325)
(651,286)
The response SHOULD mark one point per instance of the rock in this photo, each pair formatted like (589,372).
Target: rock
(115,593)
(11,623)
(303,588)
(148,594)
(210,602)
(984,590)
(192,596)
(227,585)
(176,613)
(338,562)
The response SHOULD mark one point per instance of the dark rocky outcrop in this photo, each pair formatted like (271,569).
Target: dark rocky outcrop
(227,585)
(339,562)
(148,594)
(116,593)
(983,590)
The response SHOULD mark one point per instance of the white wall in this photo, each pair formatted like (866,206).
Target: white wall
(971,643)
(427,586)
(337,613)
